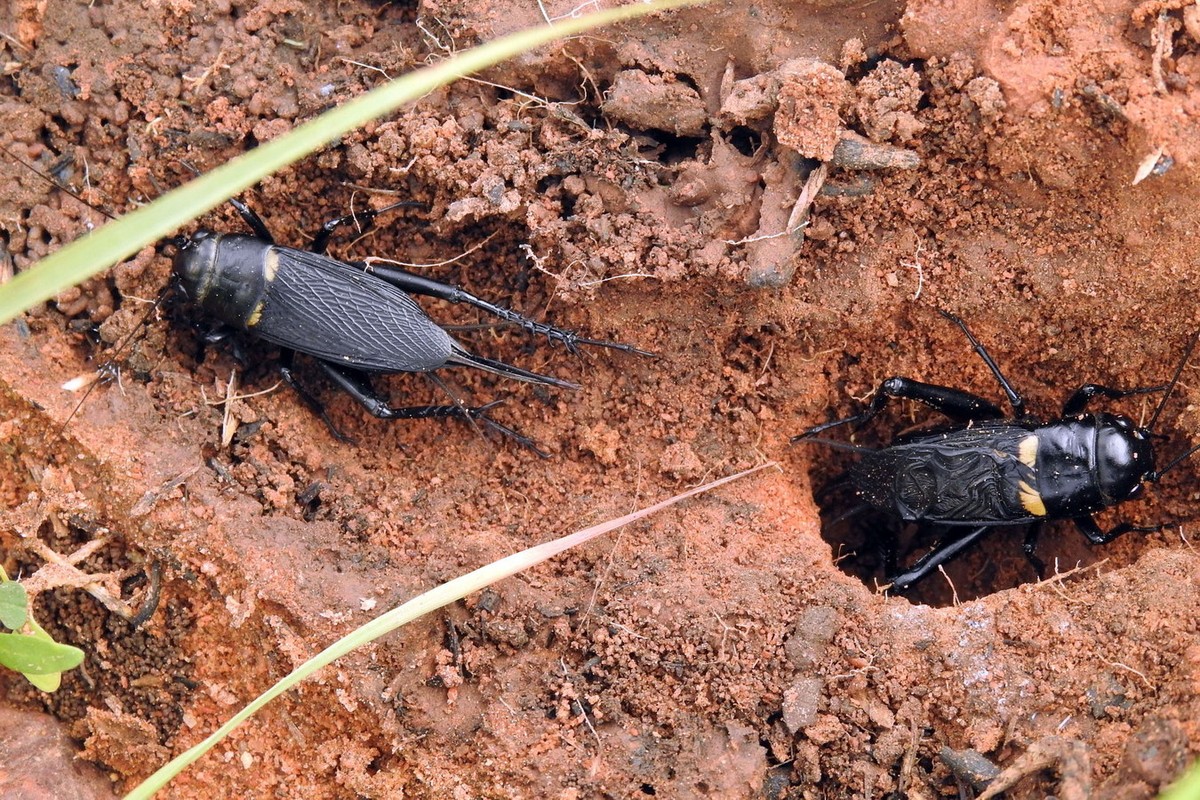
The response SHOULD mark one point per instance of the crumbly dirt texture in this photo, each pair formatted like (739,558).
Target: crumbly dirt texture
(774,197)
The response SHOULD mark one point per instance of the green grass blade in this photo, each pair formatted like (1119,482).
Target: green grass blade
(118,240)
(432,600)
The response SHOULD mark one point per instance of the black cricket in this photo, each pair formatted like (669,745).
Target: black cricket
(354,319)
(988,471)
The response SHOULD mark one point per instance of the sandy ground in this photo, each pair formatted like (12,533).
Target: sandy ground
(640,184)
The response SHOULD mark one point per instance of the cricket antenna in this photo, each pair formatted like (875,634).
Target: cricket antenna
(1187,354)
(106,371)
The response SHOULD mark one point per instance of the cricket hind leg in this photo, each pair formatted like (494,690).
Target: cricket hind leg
(929,563)
(356,384)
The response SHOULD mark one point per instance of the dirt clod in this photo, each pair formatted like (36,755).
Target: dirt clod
(655,103)
(801,702)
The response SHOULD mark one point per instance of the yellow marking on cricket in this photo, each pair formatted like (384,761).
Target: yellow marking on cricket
(1027,451)
(255,315)
(270,265)
(1030,499)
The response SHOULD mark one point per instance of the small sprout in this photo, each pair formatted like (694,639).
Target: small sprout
(29,650)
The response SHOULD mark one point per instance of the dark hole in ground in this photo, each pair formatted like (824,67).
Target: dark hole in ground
(669,148)
(745,140)
(861,536)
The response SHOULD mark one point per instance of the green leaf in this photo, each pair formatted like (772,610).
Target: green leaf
(47,683)
(14,605)
(33,655)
